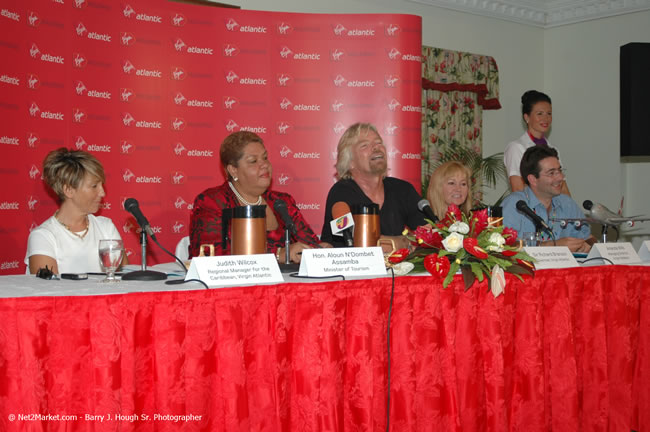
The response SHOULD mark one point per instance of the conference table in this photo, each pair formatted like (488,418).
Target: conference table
(567,350)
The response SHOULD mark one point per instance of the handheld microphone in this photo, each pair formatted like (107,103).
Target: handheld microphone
(425,207)
(342,222)
(587,204)
(281,207)
(538,221)
(131,205)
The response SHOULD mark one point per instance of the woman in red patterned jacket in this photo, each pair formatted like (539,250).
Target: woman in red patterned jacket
(248,172)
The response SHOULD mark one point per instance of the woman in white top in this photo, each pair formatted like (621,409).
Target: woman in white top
(68,241)
(537,111)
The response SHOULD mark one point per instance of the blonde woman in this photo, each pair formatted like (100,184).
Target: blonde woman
(450,184)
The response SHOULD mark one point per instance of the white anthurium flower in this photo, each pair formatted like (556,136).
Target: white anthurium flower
(453,242)
(496,241)
(459,227)
(497,281)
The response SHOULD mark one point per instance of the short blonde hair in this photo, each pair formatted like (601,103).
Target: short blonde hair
(344,148)
(438,178)
(63,167)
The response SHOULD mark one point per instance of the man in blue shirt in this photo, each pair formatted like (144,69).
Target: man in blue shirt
(543,176)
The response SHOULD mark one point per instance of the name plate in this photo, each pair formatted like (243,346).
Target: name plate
(617,253)
(644,251)
(552,257)
(230,270)
(354,261)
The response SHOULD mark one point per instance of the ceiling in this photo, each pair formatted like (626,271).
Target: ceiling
(543,13)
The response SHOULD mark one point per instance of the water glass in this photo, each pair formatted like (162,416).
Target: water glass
(529,238)
(110,257)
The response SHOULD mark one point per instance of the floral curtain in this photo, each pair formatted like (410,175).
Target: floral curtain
(456,88)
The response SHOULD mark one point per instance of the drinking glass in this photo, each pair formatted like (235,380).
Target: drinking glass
(110,257)
(529,238)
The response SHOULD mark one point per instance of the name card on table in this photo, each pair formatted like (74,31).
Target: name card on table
(354,261)
(644,251)
(552,257)
(617,253)
(232,270)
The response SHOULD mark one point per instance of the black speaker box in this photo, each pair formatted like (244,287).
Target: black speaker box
(635,99)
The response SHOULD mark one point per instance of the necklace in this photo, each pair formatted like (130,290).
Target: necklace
(241,198)
(83,233)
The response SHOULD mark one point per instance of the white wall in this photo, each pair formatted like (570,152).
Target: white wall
(577,65)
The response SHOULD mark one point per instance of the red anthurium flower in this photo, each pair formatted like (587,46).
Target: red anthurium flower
(526,264)
(480,220)
(428,236)
(398,256)
(437,266)
(508,253)
(510,235)
(452,215)
(471,246)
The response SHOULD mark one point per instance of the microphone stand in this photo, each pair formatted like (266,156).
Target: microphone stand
(144,274)
(288,266)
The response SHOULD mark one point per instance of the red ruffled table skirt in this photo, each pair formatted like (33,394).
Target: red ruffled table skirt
(566,351)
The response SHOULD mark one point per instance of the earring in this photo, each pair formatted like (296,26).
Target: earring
(235,179)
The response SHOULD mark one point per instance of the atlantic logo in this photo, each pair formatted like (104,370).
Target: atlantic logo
(336,54)
(395,54)
(79,115)
(391,81)
(394,105)
(341,81)
(82,31)
(7,205)
(79,60)
(230,102)
(286,104)
(411,156)
(36,53)
(80,142)
(33,140)
(128,120)
(178,20)
(178,178)
(392,153)
(33,82)
(339,128)
(341,30)
(33,19)
(178,227)
(9,265)
(32,203)
(82,90)
(10,80)
(284,179)
(178,124)
(180,99)
(127,39)
(286,152)
(129,12)
(393,30)
(230,50)
(284,28)
(128,68)
(35,111)
(126,147)
(232,126)
(283,128)
(179,149)
(336,106)
(312,206)
(284,80)
(233,78)
(287,53)
(80,4)
(181,204)
(391,129)
(178,74)
(126,94)
(128,176)
(233,26)
(15,16)
(9,140)
(181,46)
(34,172)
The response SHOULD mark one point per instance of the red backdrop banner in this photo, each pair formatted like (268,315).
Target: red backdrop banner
(152,88)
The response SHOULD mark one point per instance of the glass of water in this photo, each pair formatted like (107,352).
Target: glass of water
(530,238)
(110,257)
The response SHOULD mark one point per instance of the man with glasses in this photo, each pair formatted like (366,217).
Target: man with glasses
(543,176)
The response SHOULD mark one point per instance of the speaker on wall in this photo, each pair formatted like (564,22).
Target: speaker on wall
(635,99)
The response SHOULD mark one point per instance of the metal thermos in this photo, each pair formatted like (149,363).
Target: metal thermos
(366,224)
(248,230)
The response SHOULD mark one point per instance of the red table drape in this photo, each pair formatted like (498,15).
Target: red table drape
(566,351)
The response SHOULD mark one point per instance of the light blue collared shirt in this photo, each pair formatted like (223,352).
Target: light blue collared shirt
(562,207)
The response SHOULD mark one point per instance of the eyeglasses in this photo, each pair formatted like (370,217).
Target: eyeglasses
(555,172)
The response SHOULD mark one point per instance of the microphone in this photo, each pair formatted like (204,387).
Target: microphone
(587,204)
(425,207)
(538,221)
(131,205)
(281,207)
(342,222)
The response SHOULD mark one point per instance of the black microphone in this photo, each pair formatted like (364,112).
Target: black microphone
(281,207)
(425,207)
(587,204)
(131,205)
(538,221)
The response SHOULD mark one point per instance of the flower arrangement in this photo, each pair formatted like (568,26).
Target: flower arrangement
(471,244)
